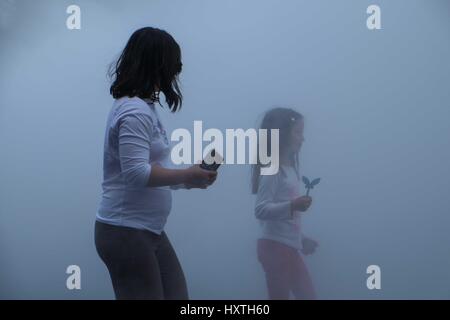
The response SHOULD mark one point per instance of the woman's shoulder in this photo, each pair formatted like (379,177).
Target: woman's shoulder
(132,106)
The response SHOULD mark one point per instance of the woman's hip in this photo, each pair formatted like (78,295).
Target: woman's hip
(120,242)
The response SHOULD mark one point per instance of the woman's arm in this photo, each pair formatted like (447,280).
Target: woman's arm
(194,176)
(134,150)
(161,176)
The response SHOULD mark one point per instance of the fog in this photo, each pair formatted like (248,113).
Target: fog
(376,105)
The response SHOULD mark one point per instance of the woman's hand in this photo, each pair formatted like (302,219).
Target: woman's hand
(309,245)
(301,203)
(197,177)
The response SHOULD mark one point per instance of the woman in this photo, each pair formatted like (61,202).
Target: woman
(278,207)
(136,199)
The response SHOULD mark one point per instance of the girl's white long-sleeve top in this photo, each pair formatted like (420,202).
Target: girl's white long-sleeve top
(273,207)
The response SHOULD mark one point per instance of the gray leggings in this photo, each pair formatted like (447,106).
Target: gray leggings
(142,264)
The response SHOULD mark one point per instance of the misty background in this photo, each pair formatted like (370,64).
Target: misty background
(377,109)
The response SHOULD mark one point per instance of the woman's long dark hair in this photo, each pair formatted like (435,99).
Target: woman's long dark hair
(282,119)
(151,61)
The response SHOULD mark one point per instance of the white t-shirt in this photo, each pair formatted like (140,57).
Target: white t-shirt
(134,140)
(273,207)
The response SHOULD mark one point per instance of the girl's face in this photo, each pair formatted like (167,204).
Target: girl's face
(297,136)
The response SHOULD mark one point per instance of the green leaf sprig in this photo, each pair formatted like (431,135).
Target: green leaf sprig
(310,184)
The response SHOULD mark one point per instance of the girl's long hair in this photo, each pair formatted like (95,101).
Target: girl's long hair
(282,119)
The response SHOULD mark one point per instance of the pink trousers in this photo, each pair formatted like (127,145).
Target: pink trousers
(285,271)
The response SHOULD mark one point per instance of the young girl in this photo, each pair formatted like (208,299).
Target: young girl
(279,206)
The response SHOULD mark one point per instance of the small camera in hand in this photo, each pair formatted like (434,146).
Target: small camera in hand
(212,161)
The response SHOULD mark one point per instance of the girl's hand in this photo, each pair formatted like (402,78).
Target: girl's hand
(309,245)
(301,203)
(197,177)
